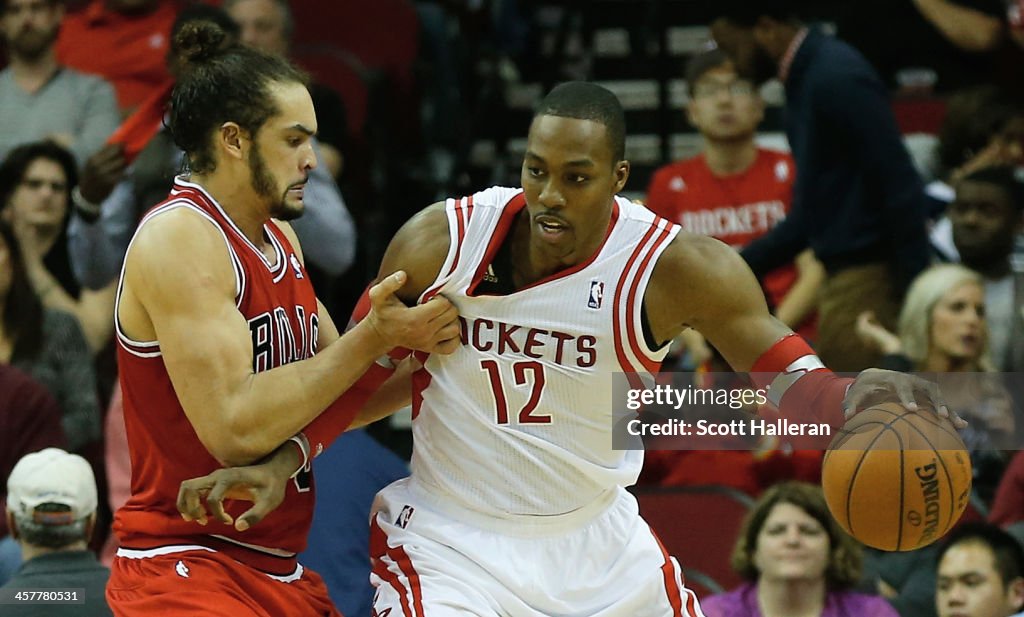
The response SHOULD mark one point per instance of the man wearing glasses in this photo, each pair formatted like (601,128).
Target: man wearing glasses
(734,190)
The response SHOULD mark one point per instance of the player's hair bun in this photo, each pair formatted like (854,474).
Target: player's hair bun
(199,41)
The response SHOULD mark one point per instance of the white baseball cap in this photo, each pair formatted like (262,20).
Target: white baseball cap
(52,476)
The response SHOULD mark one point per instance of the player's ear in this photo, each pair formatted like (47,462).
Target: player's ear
(230,139)
(621,175)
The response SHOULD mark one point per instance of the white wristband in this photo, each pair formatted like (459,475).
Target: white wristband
(303,444)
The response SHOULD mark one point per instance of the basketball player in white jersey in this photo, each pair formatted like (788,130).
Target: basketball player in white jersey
(517,504)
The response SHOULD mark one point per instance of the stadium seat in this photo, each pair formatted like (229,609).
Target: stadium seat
(701,584)
(342,72)
(698,526)
(383,34)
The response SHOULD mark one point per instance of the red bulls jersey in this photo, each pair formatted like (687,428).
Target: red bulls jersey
(277,300)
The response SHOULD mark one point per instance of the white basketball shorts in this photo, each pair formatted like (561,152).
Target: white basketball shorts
(427,564)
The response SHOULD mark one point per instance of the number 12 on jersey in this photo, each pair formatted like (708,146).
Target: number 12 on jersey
(520,377)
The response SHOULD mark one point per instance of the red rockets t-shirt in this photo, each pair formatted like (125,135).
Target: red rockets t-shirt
(735,209)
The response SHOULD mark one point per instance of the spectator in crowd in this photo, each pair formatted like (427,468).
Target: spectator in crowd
(943,330)
(735,191)
(125,41)
(268,25)
(51,511)
(963,25)
(939,47)
(1015,19)
(986,218)
(983,127)
(47,344)
(942,325)
(39,98)
(98,245)
(980,573)
(858,201)
(29,421)
(36,182)
(1008,506)
(797,561)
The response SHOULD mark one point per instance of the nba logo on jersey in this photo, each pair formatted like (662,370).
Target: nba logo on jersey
(404,516)
(596,294)
(296,266)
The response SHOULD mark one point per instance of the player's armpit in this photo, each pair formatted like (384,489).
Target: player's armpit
(419,248)
(701,282)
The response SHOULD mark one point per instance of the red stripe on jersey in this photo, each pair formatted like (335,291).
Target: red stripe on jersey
(401,558)
(378,548)
(461,222)
(460,236)
(421,378)
(469,210)
(668,571)
(634,344)
(620,352)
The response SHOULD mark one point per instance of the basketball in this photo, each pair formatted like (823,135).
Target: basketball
(896,480)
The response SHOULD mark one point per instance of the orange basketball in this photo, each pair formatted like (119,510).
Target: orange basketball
(896,480)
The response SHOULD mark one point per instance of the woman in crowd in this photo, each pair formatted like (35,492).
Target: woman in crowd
(941,326)
(797,562)
(942,330)
(48,345)
(36,182)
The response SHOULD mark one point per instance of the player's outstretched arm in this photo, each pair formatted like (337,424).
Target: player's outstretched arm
(702,283)
(179,289)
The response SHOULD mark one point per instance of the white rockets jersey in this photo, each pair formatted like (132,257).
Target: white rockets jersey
(518,421)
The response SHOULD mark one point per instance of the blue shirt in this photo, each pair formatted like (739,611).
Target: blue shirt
(857,197)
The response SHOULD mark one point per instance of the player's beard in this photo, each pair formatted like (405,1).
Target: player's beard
(265,185)
(32,44)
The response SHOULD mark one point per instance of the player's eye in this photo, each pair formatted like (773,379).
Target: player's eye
(534,171)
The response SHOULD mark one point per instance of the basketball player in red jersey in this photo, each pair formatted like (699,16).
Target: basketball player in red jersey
(517,504)
(224,350)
